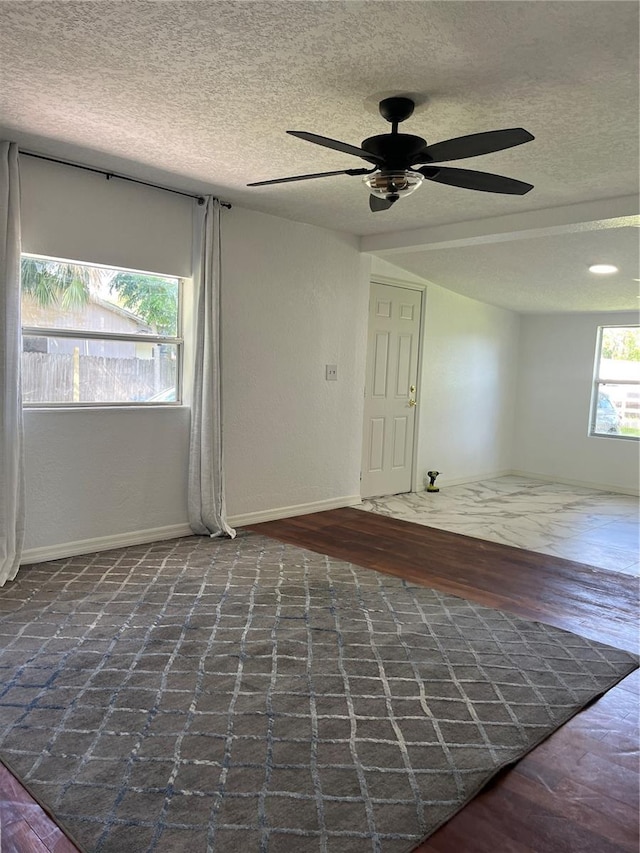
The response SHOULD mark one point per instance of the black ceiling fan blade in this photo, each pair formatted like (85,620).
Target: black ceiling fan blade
(471,180)
(376,203)
(473,145)
(335,145)
(307,177)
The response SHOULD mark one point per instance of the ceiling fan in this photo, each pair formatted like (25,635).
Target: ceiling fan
(397,159)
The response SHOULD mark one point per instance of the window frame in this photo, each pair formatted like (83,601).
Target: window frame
(87,334)
(598,382)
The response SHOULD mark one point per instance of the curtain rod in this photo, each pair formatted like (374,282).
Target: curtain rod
(109,175)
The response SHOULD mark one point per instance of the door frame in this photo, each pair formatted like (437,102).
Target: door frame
(407,285)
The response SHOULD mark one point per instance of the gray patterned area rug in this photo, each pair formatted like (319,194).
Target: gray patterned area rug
(226,696)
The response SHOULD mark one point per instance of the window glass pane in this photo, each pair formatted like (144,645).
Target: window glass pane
(77,370)
(65,295)
(617,403)
(607,419)
(618,409)
(620,354)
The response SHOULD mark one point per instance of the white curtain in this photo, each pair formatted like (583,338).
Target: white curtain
(12,512)
(206,503)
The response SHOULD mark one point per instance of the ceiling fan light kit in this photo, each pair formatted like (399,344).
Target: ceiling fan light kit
(397,159)
(398,184)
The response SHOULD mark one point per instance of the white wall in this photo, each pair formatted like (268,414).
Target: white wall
(555,375)
(99,474)
(294,299)
(468,390)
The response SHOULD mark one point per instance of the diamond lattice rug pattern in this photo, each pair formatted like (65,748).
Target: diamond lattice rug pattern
(247,695)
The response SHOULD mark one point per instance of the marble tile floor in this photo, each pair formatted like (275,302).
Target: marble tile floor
(589,526)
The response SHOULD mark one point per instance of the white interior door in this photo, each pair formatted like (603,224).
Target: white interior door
(390,390)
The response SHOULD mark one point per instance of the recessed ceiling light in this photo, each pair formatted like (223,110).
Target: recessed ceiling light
(603,269)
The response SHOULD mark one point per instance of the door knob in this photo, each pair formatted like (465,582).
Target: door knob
(412,402)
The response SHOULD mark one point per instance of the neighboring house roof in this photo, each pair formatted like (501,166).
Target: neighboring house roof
(121,320)
(122,312)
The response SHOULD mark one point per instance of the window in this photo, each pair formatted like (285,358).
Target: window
(98,336)
(615,407)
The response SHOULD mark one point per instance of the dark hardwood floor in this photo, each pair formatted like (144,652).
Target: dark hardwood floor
(24,826)
(578,791)
(575,793)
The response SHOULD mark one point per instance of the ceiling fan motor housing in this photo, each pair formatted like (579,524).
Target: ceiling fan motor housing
(398,150)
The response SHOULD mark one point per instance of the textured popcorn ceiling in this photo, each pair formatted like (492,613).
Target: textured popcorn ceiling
(533,274)
(198,95)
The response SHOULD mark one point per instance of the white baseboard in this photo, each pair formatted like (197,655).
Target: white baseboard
(174,531)
(291,511)
(104,543)
(584,484)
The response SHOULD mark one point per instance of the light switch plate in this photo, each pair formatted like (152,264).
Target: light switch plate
(331,372)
